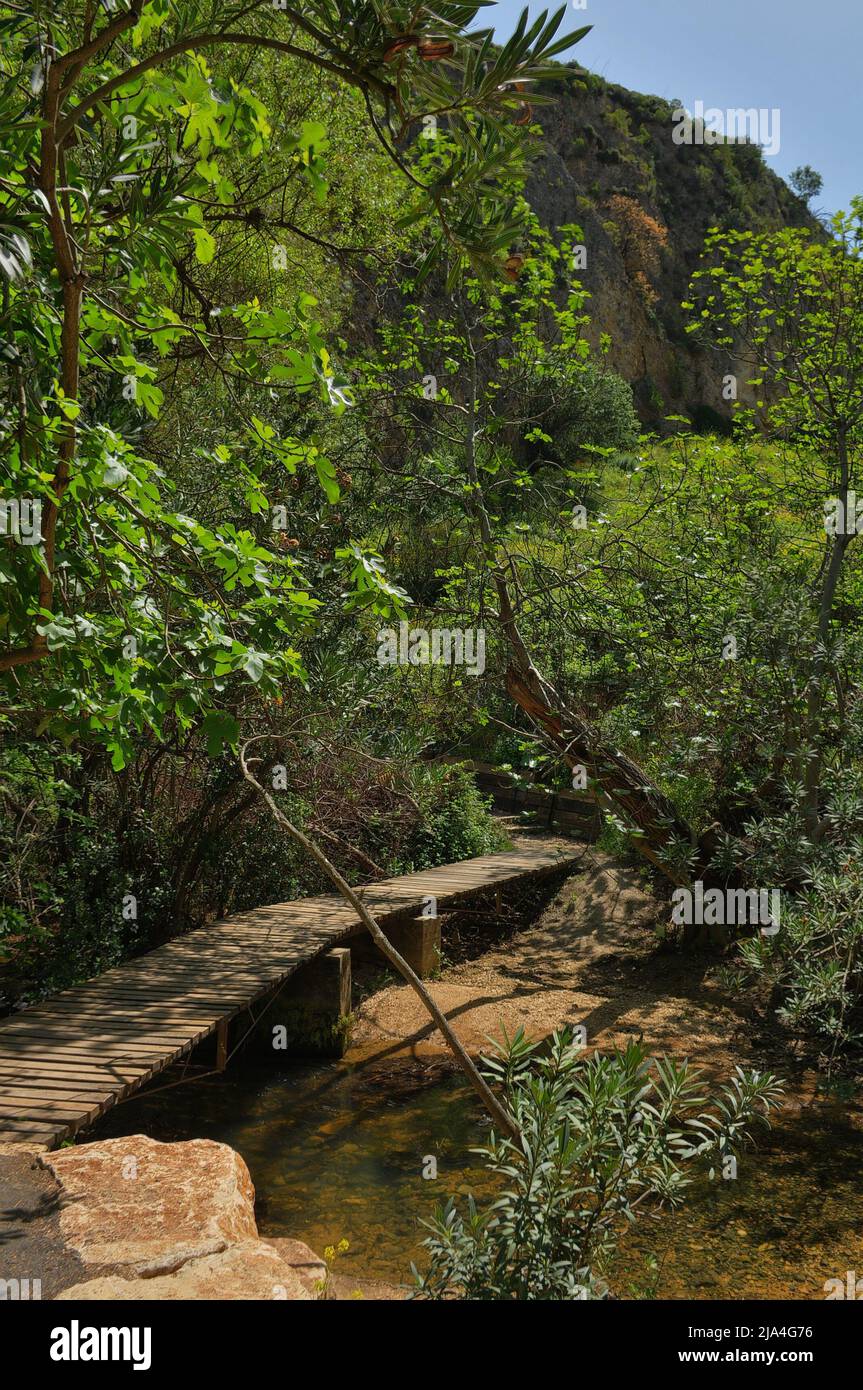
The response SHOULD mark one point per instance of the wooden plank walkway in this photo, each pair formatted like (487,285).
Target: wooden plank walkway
(66,1061)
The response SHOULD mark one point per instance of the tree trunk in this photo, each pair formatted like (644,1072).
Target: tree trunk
(617,781)
(498,1112)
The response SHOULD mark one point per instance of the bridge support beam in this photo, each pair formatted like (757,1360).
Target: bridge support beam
(418,941)
(309,1015)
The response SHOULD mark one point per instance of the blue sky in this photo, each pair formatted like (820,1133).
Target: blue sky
(806,59)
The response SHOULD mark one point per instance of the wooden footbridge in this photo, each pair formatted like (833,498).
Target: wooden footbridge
(64,1062)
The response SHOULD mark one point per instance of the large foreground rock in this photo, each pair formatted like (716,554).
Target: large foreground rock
(249,1270)
(145,1208)
(171,1221)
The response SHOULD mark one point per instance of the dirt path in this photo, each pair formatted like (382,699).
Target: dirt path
(593,958)
(31,1245)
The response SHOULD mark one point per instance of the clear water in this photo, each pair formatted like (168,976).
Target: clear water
(337,1152)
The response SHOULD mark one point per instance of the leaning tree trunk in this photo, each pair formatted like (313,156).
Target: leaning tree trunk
(617,783)
(498,1112)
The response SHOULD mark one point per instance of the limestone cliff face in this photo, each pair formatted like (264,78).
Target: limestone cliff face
(610,165)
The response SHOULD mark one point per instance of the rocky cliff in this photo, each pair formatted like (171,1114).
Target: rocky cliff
(644,203)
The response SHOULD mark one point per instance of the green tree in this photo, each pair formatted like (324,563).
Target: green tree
(122,133)
(516,378)
(789,305)
(806,182)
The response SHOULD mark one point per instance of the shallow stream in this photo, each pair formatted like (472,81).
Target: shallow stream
(337,1151)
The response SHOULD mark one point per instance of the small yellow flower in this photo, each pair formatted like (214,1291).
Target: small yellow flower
(329,1253)
(343,1246)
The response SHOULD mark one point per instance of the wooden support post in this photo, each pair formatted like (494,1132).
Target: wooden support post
(222,1045)
(419,942)
(309,1015)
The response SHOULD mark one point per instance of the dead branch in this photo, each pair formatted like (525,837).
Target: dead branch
(499,1113)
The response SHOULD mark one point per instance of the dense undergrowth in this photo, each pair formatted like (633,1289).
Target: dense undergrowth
(92,873)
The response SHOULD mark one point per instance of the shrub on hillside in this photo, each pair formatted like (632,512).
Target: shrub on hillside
(578,406)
